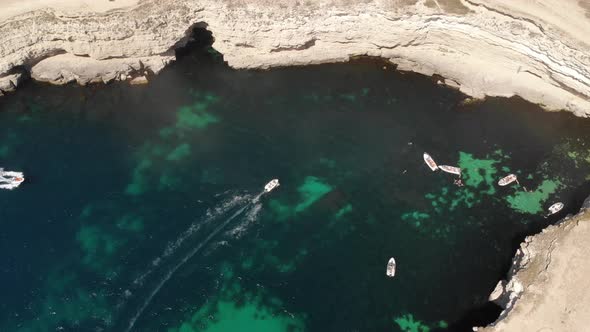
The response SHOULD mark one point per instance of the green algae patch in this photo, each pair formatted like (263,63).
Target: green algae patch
(195,117)
(415,217)
(532,202)
(351,97)
(138,182)
(236,309)
(131,223)
(180,152)
(407,323)
(231,317)
(576,151)
(479,173)
(344,210)
(97,245)
(171,145)
(479,177)
(311,191)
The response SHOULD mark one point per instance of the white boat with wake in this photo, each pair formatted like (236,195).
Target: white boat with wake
(508,179)
(430,162)
(390,272)
(10,180)
(450,169)
(271,185)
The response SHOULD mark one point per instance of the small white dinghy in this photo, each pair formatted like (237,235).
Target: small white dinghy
(390,268)
(450,169)
(507,180)
(10,180)
(271,185)
(553,209)
(430,162)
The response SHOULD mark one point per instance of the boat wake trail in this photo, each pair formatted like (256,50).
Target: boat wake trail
(247,203)
(173,246)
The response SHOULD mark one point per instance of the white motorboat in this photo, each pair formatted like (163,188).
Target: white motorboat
(553,209)
(10,180)
(390,272)
(271,185)
(450,169)
(508,179)
(430,162)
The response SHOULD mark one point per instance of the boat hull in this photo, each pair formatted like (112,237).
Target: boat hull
(391,266)
(507,180)
(553,209)
(450,169)
(271,185)
(10,180)
(430,162)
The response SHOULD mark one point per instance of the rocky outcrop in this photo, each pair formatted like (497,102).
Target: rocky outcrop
(547,286)
(492,47)
(9,82)
(66,68)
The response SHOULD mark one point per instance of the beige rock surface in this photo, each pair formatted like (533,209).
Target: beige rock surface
(15,7)
(538,50)
(549,287)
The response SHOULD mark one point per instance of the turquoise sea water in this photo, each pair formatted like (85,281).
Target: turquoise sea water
(140,213)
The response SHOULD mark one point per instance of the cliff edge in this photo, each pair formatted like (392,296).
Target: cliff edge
(538,50)
(547,288)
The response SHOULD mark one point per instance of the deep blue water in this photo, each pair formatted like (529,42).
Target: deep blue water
(128,187)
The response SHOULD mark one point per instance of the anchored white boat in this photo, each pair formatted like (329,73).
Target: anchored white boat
(450,169)
(508,179)
(271,185)
(430,162)
(10,180)
(390,268)
(553,209)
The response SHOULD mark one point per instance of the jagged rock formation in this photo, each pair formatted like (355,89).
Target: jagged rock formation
(538,50)
(547,288)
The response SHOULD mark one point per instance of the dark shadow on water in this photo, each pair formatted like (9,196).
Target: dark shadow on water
(480,316)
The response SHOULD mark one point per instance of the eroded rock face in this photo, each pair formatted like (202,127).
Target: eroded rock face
(548,285)
(538,50)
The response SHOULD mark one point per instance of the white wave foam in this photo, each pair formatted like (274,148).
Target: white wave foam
(240,229)
(210,214)
(173,270)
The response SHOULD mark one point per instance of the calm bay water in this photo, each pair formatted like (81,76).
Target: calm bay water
(140,209)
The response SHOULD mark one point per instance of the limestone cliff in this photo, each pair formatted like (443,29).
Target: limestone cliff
(538,50)
(547,288)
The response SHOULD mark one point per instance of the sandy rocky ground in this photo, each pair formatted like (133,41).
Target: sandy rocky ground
(548,285)
(539,50)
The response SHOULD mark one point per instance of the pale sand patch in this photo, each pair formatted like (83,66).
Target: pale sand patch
(10,8)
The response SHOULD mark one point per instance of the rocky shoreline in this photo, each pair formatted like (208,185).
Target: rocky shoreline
(491,48)
(547,285)
(483,48)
